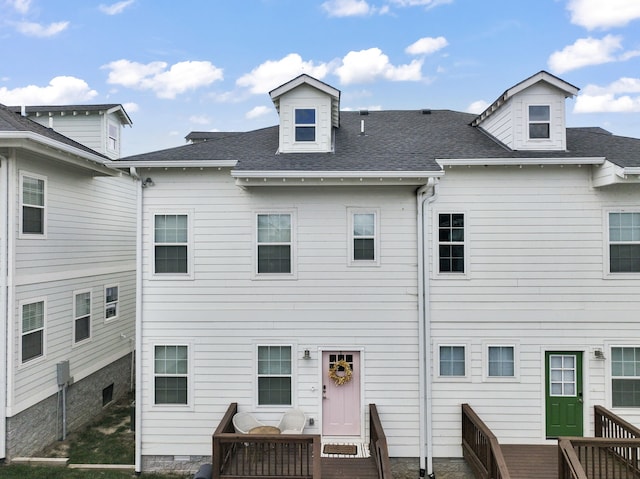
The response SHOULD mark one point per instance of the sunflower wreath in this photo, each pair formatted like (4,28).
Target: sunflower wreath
(333,372)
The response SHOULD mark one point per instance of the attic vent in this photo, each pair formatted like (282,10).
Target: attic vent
(426,111)
(364,112)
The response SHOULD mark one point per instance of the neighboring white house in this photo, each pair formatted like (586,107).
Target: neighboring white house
(67,278)
(446,257)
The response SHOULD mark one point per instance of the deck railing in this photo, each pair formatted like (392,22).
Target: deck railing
(378,444)
(613,454)
(481,448)
(255,456)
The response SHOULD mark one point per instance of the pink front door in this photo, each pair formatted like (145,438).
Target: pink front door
(340,402)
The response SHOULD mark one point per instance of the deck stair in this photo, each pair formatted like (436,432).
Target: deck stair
(613,454)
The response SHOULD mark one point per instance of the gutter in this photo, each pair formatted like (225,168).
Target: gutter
(424,330)
(138,348)
(4,300)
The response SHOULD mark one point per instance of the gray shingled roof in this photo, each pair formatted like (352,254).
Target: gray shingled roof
(408,140)
(13,122)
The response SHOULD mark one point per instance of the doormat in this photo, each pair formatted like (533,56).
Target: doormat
(346,449)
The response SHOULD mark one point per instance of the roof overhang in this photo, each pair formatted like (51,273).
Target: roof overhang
(611,174)
(332,178)
(174,164)
(519,161)
(26,140)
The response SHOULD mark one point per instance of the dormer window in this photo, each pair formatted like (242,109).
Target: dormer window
(539,121)
(305,124)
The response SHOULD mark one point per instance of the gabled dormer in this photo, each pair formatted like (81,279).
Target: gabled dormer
(530,115)
(309,111)
(95,126)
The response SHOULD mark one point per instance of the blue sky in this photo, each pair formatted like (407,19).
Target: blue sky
(205,65)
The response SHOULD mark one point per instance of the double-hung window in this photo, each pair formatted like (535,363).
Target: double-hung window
(171,374)
(274,243)
(274,375)
(171,244)
(624,242)
(33,320)
(113,136)
(539,121)
(625,376)
(501,362)
(363,237)
(305,124)
(111,302)
(81,316)
(32,197)
(452,361)
(451,238)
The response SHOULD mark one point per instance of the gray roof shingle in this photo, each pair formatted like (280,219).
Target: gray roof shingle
(400,140)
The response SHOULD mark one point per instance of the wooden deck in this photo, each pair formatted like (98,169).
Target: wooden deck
(531,462)
(349,468)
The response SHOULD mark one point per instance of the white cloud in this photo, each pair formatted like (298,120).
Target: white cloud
(347,8)
(584,52)
(257,112)
(115,8)
(166,83)
(61,90)
(368,65)
(427,46)
(200,119)
(419,3)
(272,74)
(131,107)
(620,96)
(21,6)
(478,106)
(33,29)
(593,14)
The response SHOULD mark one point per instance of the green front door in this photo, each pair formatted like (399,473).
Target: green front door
(563,394)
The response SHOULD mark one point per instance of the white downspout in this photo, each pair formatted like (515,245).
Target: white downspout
(138,349)
(5,317)
(424,333)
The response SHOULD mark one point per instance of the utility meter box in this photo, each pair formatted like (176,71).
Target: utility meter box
(63,373)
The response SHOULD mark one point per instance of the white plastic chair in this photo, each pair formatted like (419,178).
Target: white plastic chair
(292,422)
(243,422)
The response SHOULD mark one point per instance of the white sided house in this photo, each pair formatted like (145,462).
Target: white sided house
(67,280)
(448,258)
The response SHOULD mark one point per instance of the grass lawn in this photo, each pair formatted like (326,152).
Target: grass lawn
(37,472)
(109,440)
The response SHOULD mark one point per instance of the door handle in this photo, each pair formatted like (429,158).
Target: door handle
(324,391)
(580,400)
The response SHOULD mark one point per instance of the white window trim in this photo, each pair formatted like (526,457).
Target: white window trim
(295,125)
(45,207)
(189,275)
(608,347)
(39,359)
(435,232)
(75,343)
(116,303)
(529,122)
(190,375)
(351,211)
(607,274)
(274,407)
(111,123)
(485,361)
(294,253)
(467,367)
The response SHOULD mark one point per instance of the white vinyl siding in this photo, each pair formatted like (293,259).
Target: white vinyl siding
(229,314)
(33,213)
(81,315)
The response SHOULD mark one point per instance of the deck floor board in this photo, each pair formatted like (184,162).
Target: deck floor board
(531,461)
